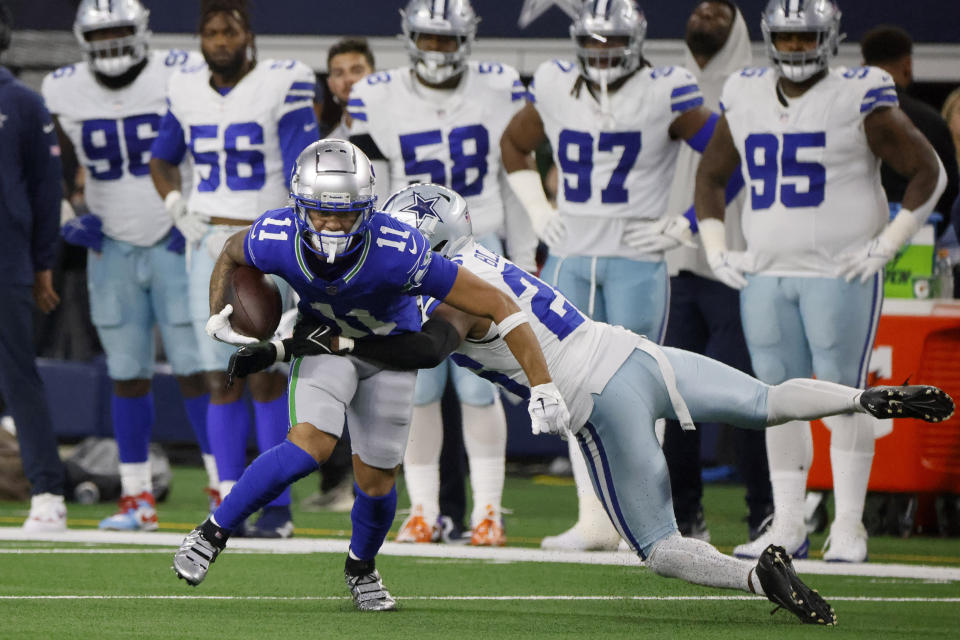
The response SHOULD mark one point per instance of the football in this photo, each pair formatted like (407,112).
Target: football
(257,303)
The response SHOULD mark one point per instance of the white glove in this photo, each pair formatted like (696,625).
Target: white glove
(218,328)
(660,236)
(728,267)
(554,233)
(548,411)
(190,223)
(862,263)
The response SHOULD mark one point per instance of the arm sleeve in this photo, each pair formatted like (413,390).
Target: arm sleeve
(170,144)
(422,349)
(41,160)
(296,130)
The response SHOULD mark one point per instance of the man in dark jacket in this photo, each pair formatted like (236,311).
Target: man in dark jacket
(30,194)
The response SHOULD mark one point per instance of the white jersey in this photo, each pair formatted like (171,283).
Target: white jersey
(238,142)
(582,355)
(813,183)
(111,131)
(453,141)
(614,166)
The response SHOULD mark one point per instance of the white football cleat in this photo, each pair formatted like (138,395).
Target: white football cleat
(578,538)
(48,514)
(795,542)
(847,542)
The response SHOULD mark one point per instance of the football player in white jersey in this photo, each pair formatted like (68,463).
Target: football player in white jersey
(108,109)
(616,384)
(439,120)
(615,125)
(243,122)
(815,222)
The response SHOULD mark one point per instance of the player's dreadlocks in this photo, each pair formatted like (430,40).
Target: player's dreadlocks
(237,9)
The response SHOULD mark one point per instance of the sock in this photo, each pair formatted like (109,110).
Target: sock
(700,563)
(135,478)
(196,409)
(132,424)
(485,439)
(226,486)
(592,519)
(210,464)
(421,459)
(803,399)
(790,453)
(227,427)
(371,518)
(272,423)
(851,456)
(423,487)
(266,477)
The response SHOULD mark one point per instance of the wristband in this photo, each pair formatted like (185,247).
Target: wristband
(171,199)
(527,187)
(511,322)
(281,352)
(344,344)
(713,235)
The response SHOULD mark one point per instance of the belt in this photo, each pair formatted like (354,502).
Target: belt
(229,222)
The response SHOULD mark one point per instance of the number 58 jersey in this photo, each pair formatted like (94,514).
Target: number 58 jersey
(813,183)
(452,140)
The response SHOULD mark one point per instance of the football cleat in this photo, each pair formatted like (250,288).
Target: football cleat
(274,522)
(489,531)
(795,542)
(920,401)
(337,499)
(785,589)
(846,543)
(416,529)
(368,592)
(136,513)
(198,551)
(48,514)
(696,528)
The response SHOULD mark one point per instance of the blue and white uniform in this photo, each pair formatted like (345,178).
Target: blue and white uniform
(615,167)
(374,294)
(243,145)
(813,192)
(616,385)
(134,282)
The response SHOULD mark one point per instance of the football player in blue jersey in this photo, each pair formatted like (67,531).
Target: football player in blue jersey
(617,384)
(357,272)
(243,122)
(818,234)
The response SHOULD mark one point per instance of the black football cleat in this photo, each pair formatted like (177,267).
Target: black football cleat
(920,401)
(785,589)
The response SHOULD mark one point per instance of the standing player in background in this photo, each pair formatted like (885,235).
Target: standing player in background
(357,272)
(29,214)
(615,126)
(108,110)
(705,313)
(439,121)
(817,241)
(243,121)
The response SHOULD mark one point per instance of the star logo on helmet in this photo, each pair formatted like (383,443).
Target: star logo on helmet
(423,208)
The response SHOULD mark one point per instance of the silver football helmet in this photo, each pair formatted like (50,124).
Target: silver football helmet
(802,16)
(115,56)
(599,20)
(333,177)
(439,213)
(454,18)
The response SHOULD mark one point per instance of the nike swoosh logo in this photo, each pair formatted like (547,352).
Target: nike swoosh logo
(47,128)
(310,127)
(413,249)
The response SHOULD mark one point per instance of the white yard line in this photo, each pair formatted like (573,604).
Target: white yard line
(483,554)
(476,598)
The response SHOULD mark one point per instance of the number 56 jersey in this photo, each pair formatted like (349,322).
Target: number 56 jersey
(451,139)
(814,184)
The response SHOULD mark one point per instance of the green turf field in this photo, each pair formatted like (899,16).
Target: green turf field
(60,590)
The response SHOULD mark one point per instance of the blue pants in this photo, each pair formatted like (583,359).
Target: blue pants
(631,293)
(23,392)
(705,318)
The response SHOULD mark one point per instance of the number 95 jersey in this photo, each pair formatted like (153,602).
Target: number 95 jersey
(814,184)
(448,137)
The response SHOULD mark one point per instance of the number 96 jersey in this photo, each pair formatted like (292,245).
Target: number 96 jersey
(453,140)
(813,183)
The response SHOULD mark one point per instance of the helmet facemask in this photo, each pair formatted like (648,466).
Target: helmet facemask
(820,17)
(332,245)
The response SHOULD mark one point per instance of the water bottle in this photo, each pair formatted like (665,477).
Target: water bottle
(943,272)
(86,492)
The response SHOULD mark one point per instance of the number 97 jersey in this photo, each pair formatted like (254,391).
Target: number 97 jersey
(452,140)
(813,183)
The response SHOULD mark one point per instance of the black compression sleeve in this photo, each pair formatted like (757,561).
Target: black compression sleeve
(422,349)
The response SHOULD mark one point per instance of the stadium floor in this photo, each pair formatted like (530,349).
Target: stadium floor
(88,584)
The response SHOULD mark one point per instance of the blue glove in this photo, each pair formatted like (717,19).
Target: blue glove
(84,231)
(177,243)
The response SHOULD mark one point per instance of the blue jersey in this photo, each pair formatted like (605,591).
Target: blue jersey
(377,295)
